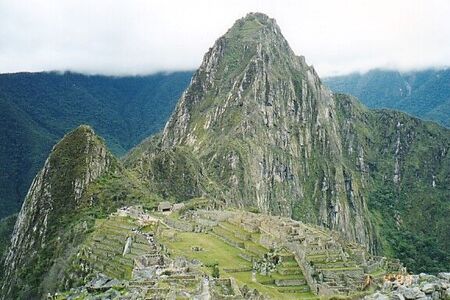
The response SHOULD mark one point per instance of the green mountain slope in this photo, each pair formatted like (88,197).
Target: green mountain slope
(54,196)
(24,145)
(408,164)
(80,181)
(257,129)
(425,94)
(37,109)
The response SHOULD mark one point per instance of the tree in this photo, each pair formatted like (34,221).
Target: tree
(216,271)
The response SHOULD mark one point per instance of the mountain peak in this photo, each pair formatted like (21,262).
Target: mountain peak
(78,137)
(56,193)
(257,17)
(257,128)
(85,128)
(255,27)
(255,110)
(252,58)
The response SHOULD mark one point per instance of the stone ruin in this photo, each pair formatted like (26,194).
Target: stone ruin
(329,264)
(326,264)
(122,247)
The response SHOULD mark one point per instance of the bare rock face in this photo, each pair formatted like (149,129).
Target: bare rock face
(76,161)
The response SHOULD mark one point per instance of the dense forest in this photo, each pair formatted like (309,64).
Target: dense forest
(37,109)
(424,94)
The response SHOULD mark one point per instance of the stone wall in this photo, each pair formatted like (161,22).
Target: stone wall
(268,241)
(179,225)
(330,264)
(308,271)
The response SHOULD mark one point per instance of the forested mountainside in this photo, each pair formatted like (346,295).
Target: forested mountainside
(37,109)
(424,94)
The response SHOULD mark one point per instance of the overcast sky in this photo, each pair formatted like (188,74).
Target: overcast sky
(146,36)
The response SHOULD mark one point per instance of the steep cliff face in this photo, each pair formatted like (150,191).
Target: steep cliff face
(407,164)
(256,128)
(54,196)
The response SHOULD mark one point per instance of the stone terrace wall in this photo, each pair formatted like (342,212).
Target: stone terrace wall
(338,266)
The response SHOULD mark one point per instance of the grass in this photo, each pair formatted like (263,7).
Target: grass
(378,273)
(216,251)
(107,242)
(233,228)
(271,291)
(279,276)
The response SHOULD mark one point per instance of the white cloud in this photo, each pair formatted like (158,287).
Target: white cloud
(144,36)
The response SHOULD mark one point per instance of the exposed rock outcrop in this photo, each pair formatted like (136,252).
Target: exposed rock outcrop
(422,286)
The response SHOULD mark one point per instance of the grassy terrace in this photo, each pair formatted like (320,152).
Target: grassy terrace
(323,257)
(107,243)
(237,233)
(378,273)
(334,264)
(217,251)
(341,269)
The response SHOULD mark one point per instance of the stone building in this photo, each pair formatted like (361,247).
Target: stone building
(165,206)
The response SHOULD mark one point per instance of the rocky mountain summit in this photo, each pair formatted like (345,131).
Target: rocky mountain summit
(263,130)
(286,189)
(257,129)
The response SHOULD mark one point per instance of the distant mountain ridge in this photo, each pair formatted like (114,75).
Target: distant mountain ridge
(37,109)
(424,94)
